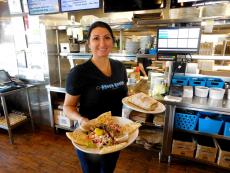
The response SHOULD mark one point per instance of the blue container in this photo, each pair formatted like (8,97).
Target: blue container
(214,83)
(152,51)
(180,80)
(197,81)
(185,121)
(210,126)
(227,129)
(209,114)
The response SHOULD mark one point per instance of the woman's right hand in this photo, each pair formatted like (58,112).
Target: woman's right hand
(82,122)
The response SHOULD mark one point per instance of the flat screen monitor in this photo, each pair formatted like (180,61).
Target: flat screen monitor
(74,5)
(37,7)
(132,5)
(179,40)
(194,3)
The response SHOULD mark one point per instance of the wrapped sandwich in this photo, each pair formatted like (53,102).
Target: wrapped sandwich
(143,101)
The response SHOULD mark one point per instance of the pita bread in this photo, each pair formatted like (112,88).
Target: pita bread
(80,138)
(143,101)
(131,127)
(104,118)
(113,148)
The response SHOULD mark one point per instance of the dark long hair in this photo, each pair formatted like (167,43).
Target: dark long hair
(101,25)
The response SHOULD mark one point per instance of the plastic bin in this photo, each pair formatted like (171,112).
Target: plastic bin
(214,82)
(185,121)
(210,126)
(180,80)
(227,129)
(209,114)
(197,81)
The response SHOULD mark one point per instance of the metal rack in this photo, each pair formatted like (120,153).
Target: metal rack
(197,104)
(9,125)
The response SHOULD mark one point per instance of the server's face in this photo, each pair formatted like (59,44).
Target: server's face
(100,42)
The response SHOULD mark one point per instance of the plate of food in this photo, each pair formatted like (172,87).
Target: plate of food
(104,134)
(143,103)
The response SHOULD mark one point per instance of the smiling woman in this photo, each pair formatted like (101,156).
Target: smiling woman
(93,84)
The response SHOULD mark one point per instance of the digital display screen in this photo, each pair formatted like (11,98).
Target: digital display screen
(37,7)
(74,5)
(178,40)
(194,3)
(132,5)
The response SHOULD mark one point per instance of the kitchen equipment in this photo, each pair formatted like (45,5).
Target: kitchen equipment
(201,91)
(157,85)
(132,46)
(216,93)
(152,74)
(188,91)
(74,45)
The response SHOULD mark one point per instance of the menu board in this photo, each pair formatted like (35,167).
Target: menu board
(43,6)
(73,5)
(194,3)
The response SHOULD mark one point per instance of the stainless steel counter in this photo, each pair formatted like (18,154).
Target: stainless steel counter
(55,88)
(199,103)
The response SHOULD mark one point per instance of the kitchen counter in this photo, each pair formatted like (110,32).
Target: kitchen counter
(203,103)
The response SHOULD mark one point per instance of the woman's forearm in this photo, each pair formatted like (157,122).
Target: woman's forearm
(72,113)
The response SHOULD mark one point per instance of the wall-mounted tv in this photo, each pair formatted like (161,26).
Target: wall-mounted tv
(194,3)
(132,5)
(37,7)
(179,40)
(74,5)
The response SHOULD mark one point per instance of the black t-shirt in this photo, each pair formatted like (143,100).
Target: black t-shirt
(98,93)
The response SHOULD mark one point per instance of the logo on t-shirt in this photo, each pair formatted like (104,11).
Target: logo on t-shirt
(110,86)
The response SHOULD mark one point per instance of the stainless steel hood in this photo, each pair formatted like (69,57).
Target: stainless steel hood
(189,15)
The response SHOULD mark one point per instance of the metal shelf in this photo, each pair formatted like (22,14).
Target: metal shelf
(12,126)
(127,56)
(114,26)
(56,89)
(149,124)
(64,127)
(205,134)
(199,161)
(210,57)
(118,56)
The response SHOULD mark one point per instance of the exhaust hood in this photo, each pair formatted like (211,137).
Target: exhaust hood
(187,15)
